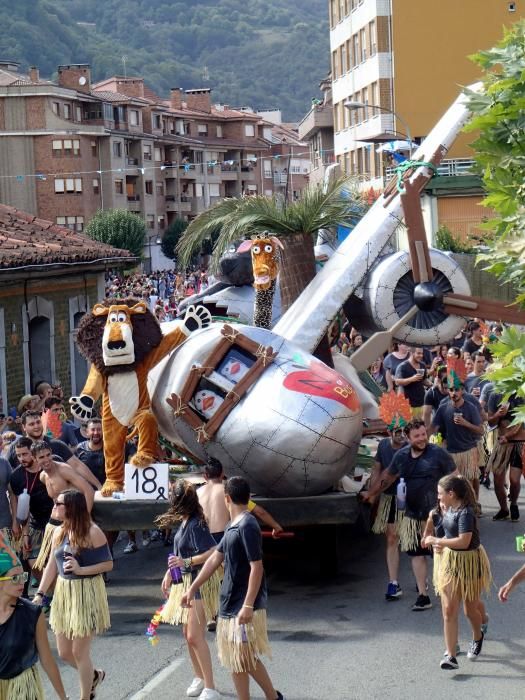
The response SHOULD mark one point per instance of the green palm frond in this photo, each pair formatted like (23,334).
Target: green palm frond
(236,219)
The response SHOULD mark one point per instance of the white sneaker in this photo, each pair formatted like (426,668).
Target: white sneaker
(196,688)
(130,548)
(146,541)
(210,694)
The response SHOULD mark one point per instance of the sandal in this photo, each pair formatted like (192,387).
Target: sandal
(98,678)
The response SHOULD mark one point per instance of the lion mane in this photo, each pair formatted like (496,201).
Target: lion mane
(146,336)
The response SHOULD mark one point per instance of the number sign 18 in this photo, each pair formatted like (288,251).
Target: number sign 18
(146,484)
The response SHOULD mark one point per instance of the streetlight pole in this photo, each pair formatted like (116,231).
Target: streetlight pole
(352,104)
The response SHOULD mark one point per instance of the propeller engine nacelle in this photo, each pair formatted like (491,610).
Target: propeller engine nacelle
(389,292)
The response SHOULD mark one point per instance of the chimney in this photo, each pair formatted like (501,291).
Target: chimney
(34,74)
(132,87)
(75,77)
(199,100)
(176,98)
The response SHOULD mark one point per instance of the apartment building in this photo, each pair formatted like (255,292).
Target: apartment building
(285,167)
(71,148)
(316,128)
(411,58)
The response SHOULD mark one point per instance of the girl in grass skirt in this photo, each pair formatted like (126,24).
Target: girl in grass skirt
(80,606)
(192,545)
(463,571)
(23,637)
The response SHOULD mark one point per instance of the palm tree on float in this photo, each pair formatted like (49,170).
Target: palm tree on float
(295,224)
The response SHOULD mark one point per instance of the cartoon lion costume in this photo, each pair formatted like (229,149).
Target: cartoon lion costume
(123,341)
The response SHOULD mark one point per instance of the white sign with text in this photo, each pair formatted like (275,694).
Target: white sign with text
(146,483)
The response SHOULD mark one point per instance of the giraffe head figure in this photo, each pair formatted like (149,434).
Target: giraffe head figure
(265,259)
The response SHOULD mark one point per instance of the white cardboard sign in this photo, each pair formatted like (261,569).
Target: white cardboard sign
(146,483)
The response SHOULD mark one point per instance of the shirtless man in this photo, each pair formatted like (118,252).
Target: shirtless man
(211,498)
(56,477)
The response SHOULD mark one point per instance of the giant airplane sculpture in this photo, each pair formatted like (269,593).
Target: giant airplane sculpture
(292,425)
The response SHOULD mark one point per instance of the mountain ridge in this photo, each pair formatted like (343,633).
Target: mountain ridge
(270,54)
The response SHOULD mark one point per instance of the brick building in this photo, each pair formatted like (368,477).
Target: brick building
(49,276)
(71,148)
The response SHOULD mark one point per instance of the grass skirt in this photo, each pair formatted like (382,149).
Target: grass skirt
(467,463)
(466,573)
(25,686)
(46,546)
(174,614)
(80,607)
(410,532)
(236,654)
(383,511)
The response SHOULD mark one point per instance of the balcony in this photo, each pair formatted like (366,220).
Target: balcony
(187,171)
(319,117)
(280,179)
(133,202)
(449,167)
(132,161)
(171,198)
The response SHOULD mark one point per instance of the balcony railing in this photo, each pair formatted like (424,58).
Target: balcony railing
(170,198)
(133,197)
(132,161)
(450,167)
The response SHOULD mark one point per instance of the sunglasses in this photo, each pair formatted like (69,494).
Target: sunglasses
(17,578)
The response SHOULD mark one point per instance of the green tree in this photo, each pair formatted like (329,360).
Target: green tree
(499,115)
(119,228)
(172,237)
(295,224)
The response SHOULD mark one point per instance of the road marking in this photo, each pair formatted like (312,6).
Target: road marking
(157,680)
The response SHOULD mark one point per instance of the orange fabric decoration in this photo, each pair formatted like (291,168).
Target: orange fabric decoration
(456,372)
(395,410)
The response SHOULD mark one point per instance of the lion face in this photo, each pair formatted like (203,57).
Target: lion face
(117,335)
(118,347)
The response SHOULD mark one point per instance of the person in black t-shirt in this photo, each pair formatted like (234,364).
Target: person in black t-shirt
(241,628)
(434,396)
(463,573)
(23,636)
(421,465)
(387,513)
(410,376)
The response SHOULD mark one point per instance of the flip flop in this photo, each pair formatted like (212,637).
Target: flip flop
(98,678)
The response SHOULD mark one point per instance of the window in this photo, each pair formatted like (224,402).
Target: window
(158,154)
(119,186)
(365,101)
(335,65)
(161,222)
(372,37)
(336,117)
(149,186)
(355,50)
(219,131)
(78,114)
(342,58)
(133,117)
(267,168)
(373,97)
(107,111)
(117,149)
(94,149)
(70,185)
(179,127)
(75,223)
(55,106)
(66,147)
(202,129)
(333,13)
(96,186)
(67,111)
(249,130)
(362,41)
(147,151)
(150,220)
(214,190)
(295,168)
(348,50)
(157,121)
(159,188)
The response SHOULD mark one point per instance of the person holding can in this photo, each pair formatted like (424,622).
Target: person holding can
(192,546)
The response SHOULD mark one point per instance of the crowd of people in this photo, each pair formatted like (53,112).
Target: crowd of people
(451,432)
(163,290)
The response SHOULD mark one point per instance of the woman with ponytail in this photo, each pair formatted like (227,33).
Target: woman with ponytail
(464,569)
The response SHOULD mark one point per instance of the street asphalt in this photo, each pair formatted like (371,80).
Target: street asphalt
(332,635)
